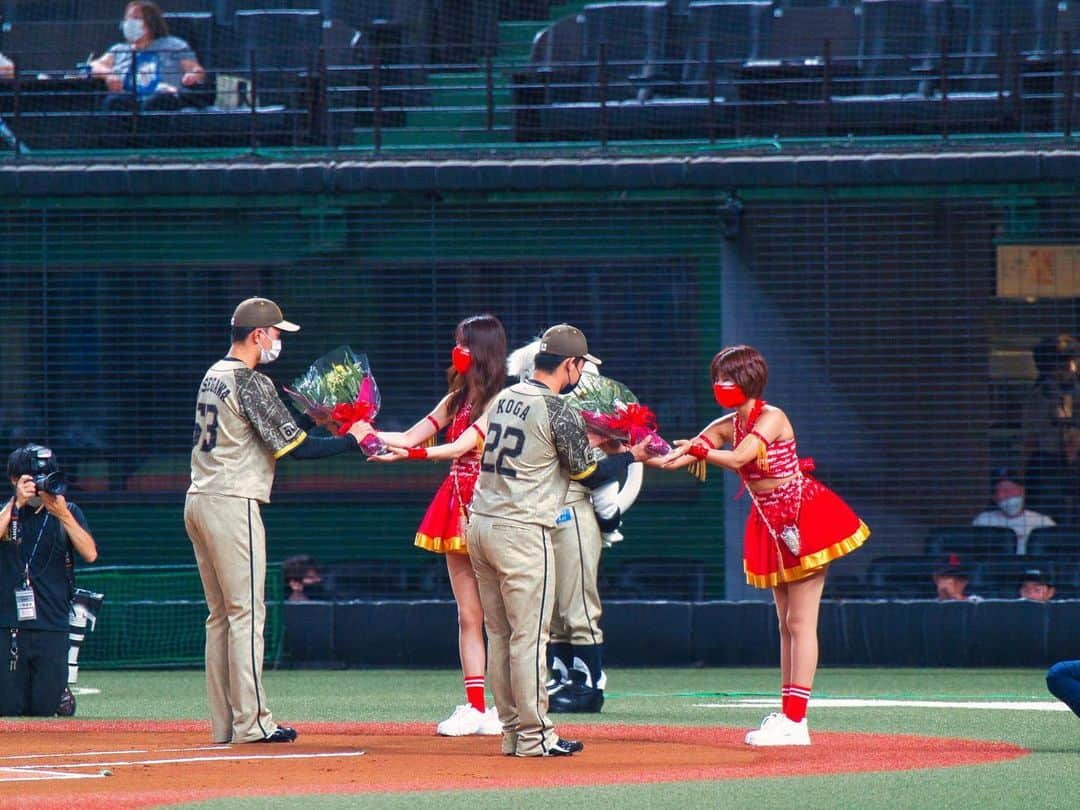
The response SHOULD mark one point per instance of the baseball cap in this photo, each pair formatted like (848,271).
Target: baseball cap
(564,340)
(951,567)
(1037,575)
(258,313)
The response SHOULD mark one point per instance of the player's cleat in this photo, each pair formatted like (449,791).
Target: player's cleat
(556,684)
(779,730)
(565,748)
(66,707)
(281,734)
(509,743)
(576,698)
(464,721)
(490,724)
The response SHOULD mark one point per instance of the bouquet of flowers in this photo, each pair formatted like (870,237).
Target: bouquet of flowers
(339,390)
(611,409)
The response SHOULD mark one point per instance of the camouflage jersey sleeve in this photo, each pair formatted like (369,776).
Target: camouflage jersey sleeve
(267,413)
(571,441)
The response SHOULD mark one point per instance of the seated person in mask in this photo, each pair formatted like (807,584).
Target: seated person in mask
(155,69)
(1008,496)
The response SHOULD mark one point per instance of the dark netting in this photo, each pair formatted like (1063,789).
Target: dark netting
(406,74)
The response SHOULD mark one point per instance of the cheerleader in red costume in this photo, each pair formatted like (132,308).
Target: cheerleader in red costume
(477,374)
(796,527)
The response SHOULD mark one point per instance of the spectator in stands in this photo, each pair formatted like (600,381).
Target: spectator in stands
(951,579)
(7,68)
(1010,512)
(152,68)
(1036,586)
(303,582)
(1051,427)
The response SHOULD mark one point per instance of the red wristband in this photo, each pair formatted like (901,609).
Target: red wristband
(418,452)
(698,451)
(707,440)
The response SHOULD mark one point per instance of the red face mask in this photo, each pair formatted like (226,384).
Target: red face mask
(461,359)
(728,395)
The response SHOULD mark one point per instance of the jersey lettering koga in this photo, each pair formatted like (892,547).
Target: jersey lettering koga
(241,428)
(535,445)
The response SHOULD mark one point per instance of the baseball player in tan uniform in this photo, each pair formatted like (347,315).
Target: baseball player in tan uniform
(535,444)
(241,429)
(575,651)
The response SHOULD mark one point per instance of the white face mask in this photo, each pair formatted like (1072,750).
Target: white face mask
(1012,506)
(271,354)
(133,29)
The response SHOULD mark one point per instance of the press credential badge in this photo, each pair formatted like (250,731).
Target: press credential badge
(24,603)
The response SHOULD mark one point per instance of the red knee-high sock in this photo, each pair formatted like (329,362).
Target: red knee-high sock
(785,695)
(474,691)
(798,697)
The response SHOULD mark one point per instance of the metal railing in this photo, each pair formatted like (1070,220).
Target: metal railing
(327,98)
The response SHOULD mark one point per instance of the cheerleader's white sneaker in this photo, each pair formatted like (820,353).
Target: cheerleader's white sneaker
(490,725)
(769,718)
(464,721)
(779,730)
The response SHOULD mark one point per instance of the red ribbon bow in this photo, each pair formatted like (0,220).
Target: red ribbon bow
(633,418)
(349,413)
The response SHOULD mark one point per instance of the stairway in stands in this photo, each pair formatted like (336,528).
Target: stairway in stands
(458,113)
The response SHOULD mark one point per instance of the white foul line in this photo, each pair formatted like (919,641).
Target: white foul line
(41,775)
(864,703)
(114,753)
(237,758)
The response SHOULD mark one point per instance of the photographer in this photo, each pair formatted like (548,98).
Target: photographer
(39,529)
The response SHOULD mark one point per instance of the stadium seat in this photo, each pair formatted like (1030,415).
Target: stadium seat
(970,543)
(1000,578)
(1060,542)
(901,577)
(899,68)
(367,579)
(285,45)
(1005,49)
(676,578)
(784,90)
(55,48)
(38,10)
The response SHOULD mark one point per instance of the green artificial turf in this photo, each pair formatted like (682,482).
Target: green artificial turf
(1048,778)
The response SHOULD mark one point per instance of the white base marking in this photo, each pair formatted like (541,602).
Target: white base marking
(85,690)
(865,703)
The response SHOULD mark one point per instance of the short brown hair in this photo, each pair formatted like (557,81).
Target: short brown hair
(744,366)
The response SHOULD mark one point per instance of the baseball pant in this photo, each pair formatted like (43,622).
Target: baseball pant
(514,567)
(34,686)
(576,544)
(1063,681)
(230,548)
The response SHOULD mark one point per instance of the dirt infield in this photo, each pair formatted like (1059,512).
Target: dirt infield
(61,764)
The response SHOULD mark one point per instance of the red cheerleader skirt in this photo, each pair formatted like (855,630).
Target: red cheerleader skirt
(828,529)
(443,528)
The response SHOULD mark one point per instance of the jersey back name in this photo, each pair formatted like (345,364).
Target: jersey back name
(241,428)
(521,474)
